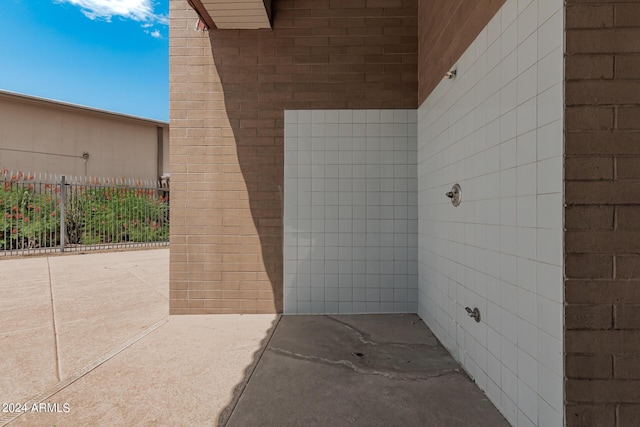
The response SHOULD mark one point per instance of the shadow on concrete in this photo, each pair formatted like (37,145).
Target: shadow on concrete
(363,370)
(226,412)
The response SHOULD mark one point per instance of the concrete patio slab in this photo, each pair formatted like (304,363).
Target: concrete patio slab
(59,313)
(24,278)
(92,332)
(362,370)
(83,341)
(27,342)
(27,363)
(183,374)
(101,302)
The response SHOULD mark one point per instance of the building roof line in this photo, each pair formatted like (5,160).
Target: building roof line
(78,107)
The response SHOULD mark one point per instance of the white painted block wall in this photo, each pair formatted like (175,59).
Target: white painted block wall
(350,217)
(497,130)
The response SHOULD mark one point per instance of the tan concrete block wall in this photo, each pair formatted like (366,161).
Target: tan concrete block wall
(602,196)
(46,137)
(447,28)
(229,90)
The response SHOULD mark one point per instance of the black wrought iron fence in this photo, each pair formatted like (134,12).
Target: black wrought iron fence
(50,213)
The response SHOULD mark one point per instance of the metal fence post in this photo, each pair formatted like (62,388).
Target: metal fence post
(103,213)
(63,198)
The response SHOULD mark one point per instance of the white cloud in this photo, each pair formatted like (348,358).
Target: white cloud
(137,10)
(155,34)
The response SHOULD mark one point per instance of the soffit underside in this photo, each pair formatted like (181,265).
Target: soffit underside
(236,14)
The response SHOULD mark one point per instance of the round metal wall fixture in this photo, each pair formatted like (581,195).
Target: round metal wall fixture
(455,195)
(475,313)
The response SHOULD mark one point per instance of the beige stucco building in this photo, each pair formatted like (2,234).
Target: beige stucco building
(44,136)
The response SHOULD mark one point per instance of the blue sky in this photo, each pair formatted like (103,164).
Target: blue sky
(107,54)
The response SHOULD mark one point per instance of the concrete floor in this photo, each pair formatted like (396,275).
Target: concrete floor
(365,370)
(92,331)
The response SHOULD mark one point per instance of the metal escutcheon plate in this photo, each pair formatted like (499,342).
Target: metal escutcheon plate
(455,195)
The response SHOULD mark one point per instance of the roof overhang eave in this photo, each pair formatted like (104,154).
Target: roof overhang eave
(237,14)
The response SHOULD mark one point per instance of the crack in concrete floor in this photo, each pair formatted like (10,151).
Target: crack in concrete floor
(369,370)
(360,370)
(336,341)
(365,338)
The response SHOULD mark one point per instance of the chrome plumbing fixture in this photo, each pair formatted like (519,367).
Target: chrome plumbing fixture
(475,313)
(455,195)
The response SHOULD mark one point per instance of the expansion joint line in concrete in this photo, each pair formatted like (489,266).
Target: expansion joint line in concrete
(53,322)
(223,422)
(36,400)
(148,284)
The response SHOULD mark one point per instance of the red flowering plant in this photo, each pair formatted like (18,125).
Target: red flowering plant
(28,215)
(124,214)
(96,212)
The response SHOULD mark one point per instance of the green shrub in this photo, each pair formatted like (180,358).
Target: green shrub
(120,214)
(93,214)
(29,219)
